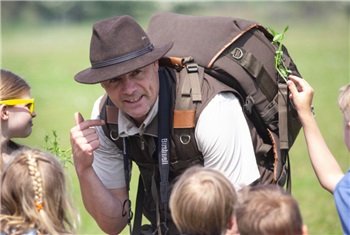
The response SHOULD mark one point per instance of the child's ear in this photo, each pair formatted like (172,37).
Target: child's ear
(4,113)
(305,230)
(232,227)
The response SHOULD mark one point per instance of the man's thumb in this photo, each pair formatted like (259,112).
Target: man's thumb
(78,118)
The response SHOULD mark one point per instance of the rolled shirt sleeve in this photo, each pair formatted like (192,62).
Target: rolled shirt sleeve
(108,158)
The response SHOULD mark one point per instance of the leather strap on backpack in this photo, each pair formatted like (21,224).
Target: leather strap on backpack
(283,129)
(256,69)
(282,115)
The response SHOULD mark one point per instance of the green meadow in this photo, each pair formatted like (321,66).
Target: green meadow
(49,55)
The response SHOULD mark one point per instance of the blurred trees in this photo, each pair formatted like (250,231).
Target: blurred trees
(35,12)
(71,11)
(46,12)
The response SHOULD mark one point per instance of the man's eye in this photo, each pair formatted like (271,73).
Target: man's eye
(135,72)
(113,80)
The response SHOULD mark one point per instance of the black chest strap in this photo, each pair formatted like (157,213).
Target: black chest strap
(164,114)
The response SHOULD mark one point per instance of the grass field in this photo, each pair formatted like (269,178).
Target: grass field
(49,57)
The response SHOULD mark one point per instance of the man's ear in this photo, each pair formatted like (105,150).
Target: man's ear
(156,65)
(4,112)
(102,85)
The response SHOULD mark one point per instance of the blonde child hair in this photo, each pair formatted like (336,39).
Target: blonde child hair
(203,202)
(268,210)
(344,105)
(34,196)
(344,101)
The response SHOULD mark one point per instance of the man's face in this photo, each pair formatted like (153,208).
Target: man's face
(136,92)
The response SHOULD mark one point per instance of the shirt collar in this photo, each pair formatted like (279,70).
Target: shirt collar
(127,127)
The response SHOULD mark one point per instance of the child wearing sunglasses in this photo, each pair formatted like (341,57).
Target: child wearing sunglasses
(16,111)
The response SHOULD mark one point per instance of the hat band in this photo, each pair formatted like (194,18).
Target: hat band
(122,58)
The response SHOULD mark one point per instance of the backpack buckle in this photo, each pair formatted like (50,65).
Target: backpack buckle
(237,53)
(111,135)
(248,105)
(185,138)
(192,68)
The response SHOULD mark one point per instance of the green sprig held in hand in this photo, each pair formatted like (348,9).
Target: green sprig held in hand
(52,145)
(280,66)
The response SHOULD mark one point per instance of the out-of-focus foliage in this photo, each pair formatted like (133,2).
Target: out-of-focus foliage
(40,12)
(70,11)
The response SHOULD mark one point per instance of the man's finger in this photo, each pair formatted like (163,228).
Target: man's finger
(81,124)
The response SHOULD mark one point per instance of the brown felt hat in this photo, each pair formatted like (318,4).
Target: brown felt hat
(118,46)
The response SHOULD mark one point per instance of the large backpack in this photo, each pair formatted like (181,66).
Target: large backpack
(239,53)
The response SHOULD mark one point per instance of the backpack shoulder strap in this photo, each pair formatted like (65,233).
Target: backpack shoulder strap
(109,113)
(102,102)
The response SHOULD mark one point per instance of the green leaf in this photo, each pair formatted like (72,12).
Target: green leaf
(277,37)
(280,66)
(53,146)
(271,31)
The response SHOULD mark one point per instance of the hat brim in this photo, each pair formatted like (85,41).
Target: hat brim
(93,76)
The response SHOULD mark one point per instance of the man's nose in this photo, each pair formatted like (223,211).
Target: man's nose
(128,85)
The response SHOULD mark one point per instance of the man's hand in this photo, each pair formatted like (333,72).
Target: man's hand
(84,141)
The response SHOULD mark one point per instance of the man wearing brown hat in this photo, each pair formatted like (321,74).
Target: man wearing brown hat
(125,63)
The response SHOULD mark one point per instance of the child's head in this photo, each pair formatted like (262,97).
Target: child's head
(203,201)
(16,107)
(344,105)
(33,194)
(268,210)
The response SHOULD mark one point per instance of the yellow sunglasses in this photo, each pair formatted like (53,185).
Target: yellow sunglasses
(29,102)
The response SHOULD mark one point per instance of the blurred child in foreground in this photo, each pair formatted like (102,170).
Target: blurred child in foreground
(34,196)
(268,210)
(203,202)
